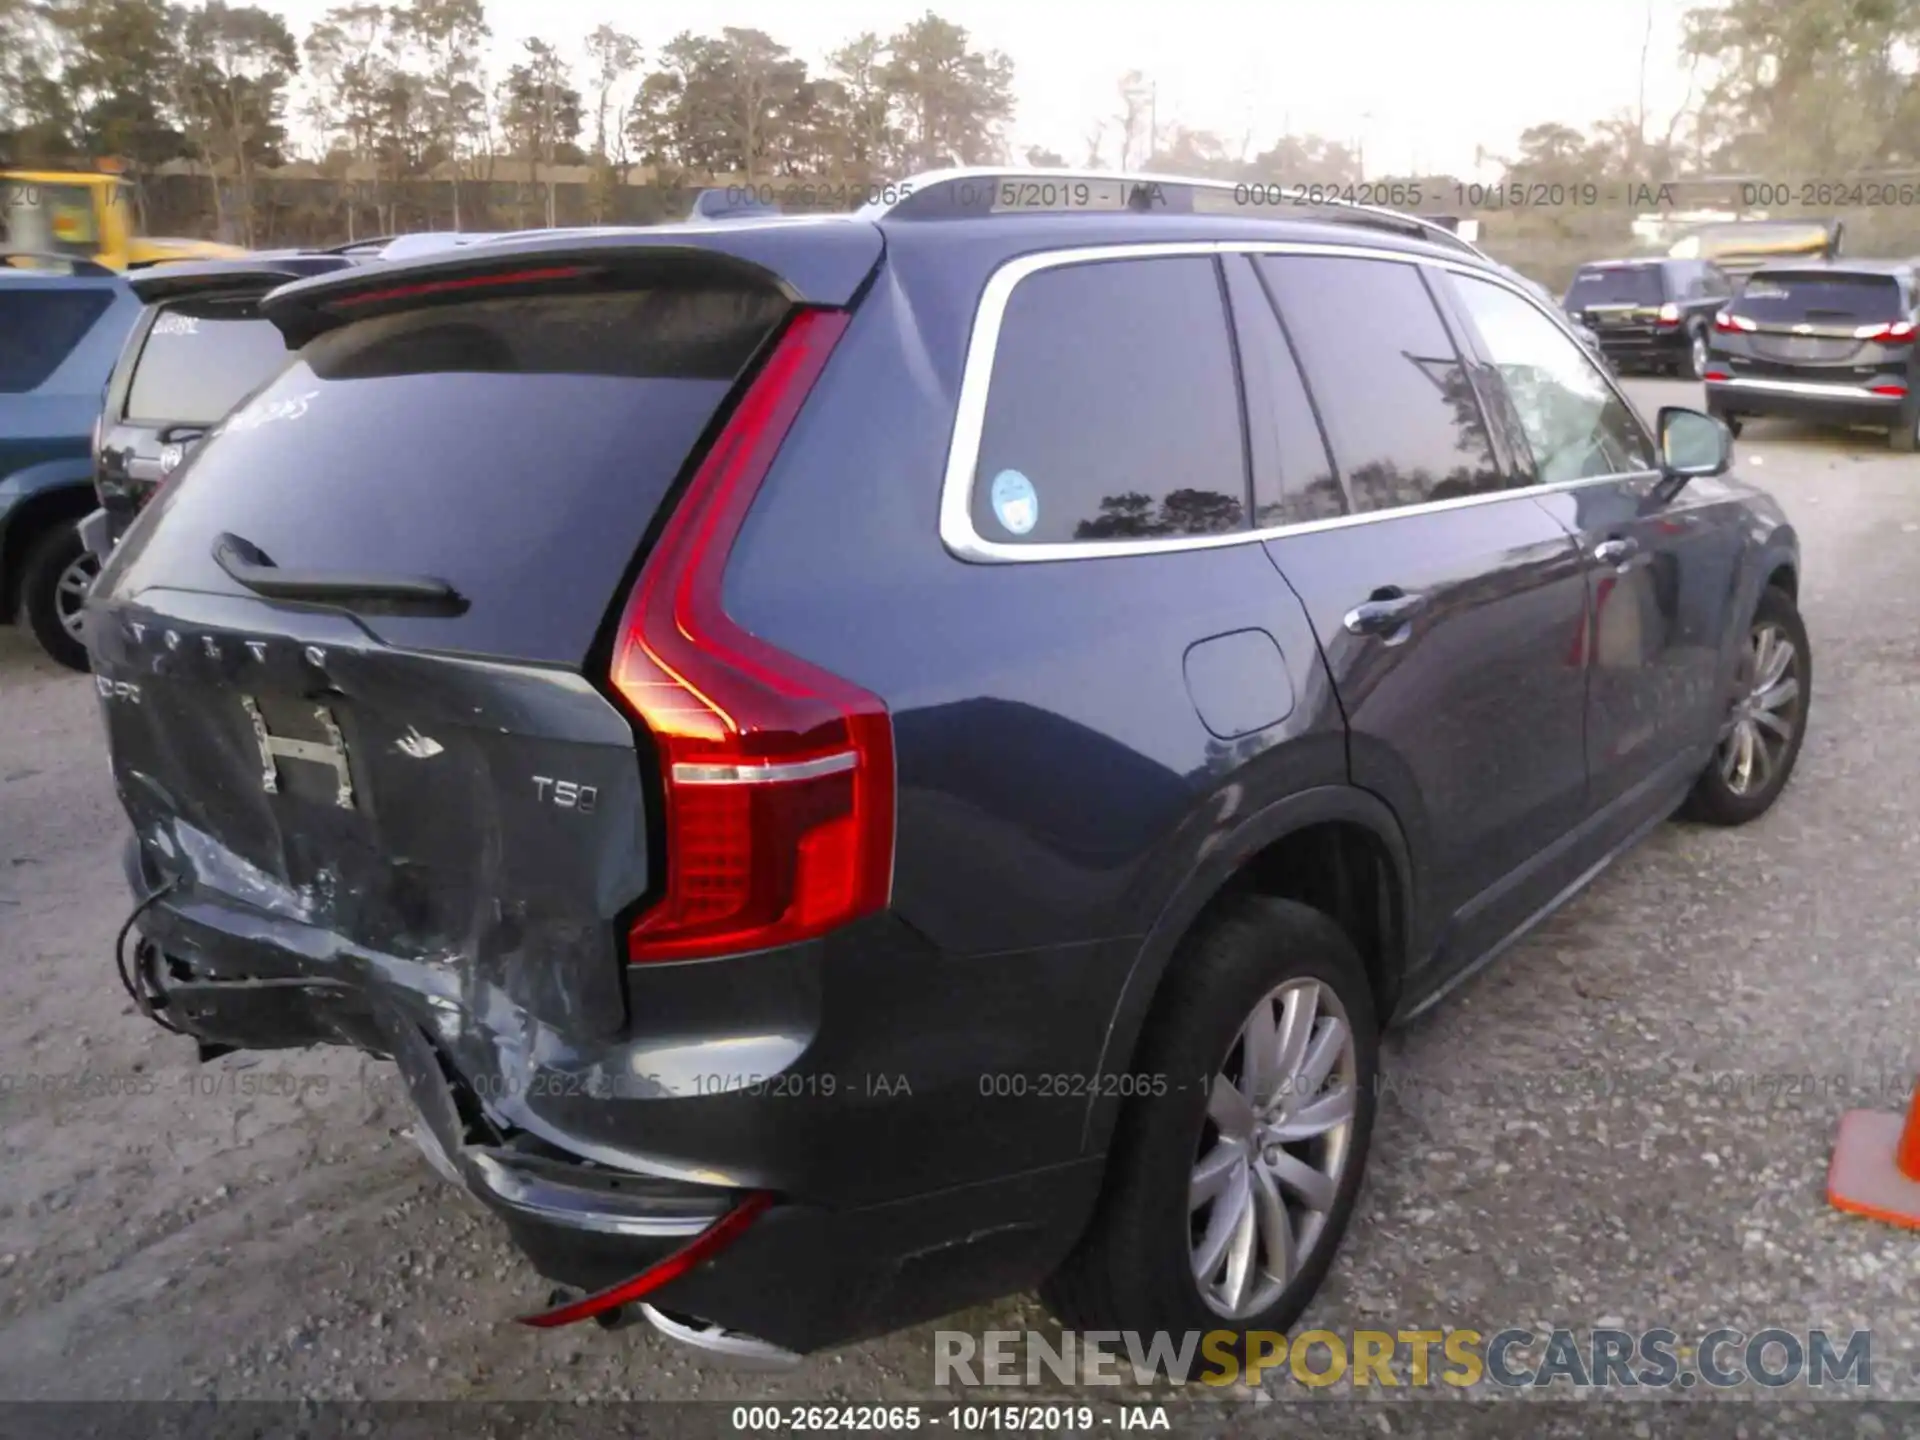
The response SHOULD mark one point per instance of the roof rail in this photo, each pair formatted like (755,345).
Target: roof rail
(974,190)
(76,264)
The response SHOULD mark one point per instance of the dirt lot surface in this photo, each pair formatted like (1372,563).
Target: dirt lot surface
(1625,1122)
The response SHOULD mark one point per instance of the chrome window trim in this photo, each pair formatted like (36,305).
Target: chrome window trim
(1802,387)
(957,531)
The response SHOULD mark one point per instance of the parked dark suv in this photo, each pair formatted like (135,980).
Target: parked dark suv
(859,764)
(200,347)
(1650,314)
(1829,342)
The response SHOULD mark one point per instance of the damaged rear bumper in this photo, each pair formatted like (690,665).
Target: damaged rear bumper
(605,1155)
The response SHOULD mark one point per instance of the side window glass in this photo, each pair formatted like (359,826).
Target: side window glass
(38,330)
(1400,409)
(1575,425)
(1113,412)
(1293,479)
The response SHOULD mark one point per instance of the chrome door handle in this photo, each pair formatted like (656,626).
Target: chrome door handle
(1383,614)
(1616,551)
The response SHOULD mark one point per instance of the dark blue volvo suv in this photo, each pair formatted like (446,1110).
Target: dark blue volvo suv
(859,764)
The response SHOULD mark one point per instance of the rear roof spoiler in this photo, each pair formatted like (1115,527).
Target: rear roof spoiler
(197,277)
(811,263)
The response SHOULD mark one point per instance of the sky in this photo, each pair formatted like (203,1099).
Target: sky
(1422,86)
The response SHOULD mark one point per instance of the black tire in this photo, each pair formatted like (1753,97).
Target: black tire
(1687,368)
(1133,1268)
(1905,436)
(48,559)
(1714,800)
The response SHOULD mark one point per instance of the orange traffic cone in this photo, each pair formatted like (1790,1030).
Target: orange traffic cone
(1876,1165)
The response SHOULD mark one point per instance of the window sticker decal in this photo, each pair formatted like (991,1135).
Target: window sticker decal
(1015,504)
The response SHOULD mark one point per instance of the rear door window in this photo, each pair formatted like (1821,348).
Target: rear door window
(1784,298)
(1400,408)
(1293,479)
(1113,412)
(517,448)
(38,330)
(200,360)
(1616,285)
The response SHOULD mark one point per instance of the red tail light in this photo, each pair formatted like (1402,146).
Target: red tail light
(1900,332)
(1716,375)
(1669,314)
(1893,390)
(778,776)
(465,282)
(1728,323)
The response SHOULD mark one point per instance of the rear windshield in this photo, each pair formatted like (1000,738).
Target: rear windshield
(1617,285)
(517,448)
(38,330)
(1820,299)
(200,360)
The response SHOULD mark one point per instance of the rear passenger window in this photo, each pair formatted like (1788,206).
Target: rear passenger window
(38,330)
(1400,409)
(1113,412)
(1293,480)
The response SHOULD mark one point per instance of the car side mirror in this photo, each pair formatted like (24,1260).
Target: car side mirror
(1693,444)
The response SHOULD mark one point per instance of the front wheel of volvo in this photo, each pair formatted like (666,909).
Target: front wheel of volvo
(1761,734)
(1230,1185)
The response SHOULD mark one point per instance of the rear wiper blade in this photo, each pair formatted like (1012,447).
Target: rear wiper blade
(249,565)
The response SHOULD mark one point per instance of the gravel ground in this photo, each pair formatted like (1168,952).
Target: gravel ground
(1625,1122)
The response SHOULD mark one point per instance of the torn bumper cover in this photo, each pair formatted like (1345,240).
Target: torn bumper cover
(580,1221)
(598,1181)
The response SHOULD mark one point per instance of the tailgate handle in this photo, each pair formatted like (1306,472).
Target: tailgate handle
(249,565)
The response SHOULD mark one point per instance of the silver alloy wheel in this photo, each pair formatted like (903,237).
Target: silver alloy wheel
(70,591)
(1766,712)
(1699,355)
(1273,1148)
